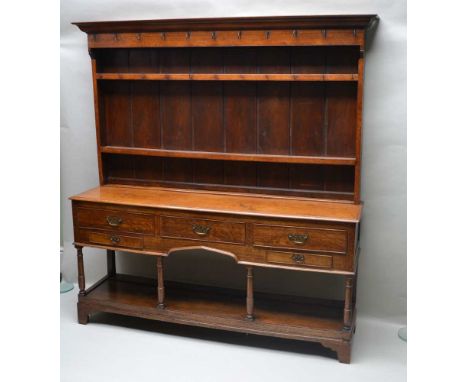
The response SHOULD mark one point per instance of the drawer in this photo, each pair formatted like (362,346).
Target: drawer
(202,229)
(300,259)
(115,239)
(115,220)
(315,239)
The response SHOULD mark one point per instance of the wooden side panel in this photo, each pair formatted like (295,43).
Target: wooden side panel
(341,116)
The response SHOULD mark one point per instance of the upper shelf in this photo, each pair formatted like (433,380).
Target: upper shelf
(226,77)
(244,157)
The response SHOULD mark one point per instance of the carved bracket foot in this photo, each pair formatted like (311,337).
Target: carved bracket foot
(342,349)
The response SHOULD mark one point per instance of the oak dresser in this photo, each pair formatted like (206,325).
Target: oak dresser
(241,136)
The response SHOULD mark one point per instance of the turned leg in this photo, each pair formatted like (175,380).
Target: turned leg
(250,298)
(348,305)
(159,265)
(111,263)
(81,276)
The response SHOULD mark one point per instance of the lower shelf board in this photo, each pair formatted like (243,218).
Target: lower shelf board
(290,317)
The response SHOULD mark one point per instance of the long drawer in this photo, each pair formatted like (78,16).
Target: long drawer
(203,229)
(291,237)
(115,220)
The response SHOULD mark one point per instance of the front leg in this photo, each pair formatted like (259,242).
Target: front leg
(83,314)
(81,274)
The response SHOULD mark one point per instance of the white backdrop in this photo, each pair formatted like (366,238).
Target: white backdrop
(382,274)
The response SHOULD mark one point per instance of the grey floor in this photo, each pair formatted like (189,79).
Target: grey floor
(115,348)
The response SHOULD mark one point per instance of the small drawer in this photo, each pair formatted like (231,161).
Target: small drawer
(115,220)
(300,259)
(116,240)
(315,239)
(202,229)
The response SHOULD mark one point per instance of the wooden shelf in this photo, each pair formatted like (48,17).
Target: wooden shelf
(229,156)
(227,77)
(279,316)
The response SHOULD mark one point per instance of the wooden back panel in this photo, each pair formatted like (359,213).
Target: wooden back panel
(271,109)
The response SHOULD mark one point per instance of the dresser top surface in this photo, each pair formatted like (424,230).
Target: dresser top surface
(261,22)
(217,202)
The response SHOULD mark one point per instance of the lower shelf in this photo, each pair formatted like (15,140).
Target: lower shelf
(275,315)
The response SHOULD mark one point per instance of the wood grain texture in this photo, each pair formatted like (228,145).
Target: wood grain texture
(278,316)
(193,200)
(356,21)
(241,136)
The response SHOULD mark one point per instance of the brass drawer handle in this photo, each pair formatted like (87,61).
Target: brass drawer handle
(201,230)
(298,258)
(114,221)
(298,238)
(115,239)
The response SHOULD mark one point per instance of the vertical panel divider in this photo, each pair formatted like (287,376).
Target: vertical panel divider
(357,166)
(97,119)
(290,116)
(325,106)
(191,84)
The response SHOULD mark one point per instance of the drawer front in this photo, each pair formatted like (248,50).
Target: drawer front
(315,239)
(300,259)
(202,229)
(115,220)
(115,239)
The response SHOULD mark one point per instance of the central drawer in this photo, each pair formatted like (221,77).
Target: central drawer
(203,229)
(290,237)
